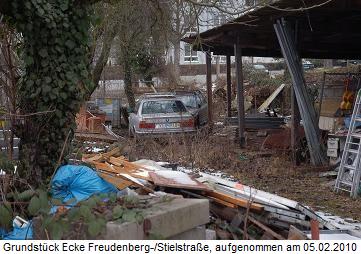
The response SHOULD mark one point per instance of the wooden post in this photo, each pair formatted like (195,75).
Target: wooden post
(209,87)
(229,86)
(315,230)
(240,92)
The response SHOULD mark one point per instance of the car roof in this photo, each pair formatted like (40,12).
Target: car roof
(182,92)
(157,95)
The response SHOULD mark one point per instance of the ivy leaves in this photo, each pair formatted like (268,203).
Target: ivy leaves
(5,216)
(55,58)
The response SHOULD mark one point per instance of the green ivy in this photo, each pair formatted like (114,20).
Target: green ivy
(56,78)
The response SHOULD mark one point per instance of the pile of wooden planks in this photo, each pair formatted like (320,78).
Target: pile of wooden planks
(245,210)
(116,169)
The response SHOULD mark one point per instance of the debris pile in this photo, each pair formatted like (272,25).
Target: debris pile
(91,126)
(238,211)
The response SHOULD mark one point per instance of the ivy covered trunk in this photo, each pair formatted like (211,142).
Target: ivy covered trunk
(55,81)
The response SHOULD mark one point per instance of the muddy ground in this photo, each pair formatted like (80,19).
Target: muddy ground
(270,170)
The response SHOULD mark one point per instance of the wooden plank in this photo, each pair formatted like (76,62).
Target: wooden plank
(135,182)
(271,98)
(296,234)
(113,152)
(133,169)
(172,183)
(137,173)
(236,201)
(123,180)
(222,202)
(116,181)
(265,228)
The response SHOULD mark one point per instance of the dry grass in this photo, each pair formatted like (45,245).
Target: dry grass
(198,151)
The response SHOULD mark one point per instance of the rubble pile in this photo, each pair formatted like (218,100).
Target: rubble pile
(237,211)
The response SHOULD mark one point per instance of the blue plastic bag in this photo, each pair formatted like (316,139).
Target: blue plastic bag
(24,232)
(2,233)
(347,121)
(78,183)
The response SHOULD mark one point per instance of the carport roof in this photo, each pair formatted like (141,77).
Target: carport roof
(329,29)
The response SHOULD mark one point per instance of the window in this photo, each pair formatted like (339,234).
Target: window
(219,19)
(222,59)
(189,54)
(189,101)
(162,107)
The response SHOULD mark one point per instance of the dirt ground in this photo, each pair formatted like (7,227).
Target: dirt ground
(268,170)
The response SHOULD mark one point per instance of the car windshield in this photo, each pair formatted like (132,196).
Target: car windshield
(259,67)
(163,107)
(189,101)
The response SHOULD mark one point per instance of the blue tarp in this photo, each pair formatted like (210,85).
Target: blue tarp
(78,183)
(19,233)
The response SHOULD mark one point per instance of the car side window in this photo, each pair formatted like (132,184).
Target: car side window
(201,98)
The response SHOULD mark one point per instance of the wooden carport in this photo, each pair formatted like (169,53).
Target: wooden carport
(323,29)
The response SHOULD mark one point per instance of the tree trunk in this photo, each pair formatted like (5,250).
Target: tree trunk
(53,87)
(176,60)
(128,88)
(108,38)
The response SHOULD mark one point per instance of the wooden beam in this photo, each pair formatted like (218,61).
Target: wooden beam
(265,228)
(240,93)
(209,87)
(229,86)
(236,201)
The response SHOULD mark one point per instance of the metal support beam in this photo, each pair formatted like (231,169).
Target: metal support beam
(209,87)
(240,93)
(295,125)
(308,113)
(229,86)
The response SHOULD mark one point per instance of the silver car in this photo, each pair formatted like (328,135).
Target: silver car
(159,114)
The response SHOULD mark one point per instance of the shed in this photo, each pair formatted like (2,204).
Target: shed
(324,29)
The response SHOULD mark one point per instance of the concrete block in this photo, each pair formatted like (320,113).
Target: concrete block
(197,233)
(211,234)
(165,220)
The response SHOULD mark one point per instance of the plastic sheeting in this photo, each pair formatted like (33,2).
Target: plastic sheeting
(78,183)
(24,232)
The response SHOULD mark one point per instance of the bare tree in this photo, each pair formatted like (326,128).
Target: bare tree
(140,40)
(9,75)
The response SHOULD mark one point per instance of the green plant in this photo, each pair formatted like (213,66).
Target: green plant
(56,79)
(86,219)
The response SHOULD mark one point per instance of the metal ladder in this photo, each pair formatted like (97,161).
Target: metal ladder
(349,173)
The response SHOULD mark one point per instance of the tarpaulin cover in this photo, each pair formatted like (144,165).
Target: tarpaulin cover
(24,232)
(78,183)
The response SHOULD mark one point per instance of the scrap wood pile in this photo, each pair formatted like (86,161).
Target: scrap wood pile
(238,211)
